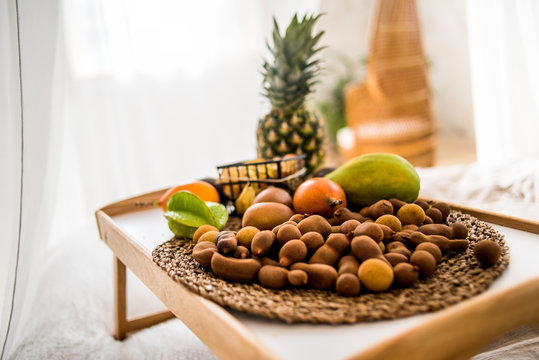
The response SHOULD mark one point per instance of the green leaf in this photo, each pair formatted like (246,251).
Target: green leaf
(219,213)
(188,209)
(181,230)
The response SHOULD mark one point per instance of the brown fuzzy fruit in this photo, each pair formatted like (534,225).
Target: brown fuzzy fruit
(266,215)
(405,274)
(435,215)
(273,277)
(286,233)
(432,248)
(291,252)
(262,243)
(312,240)
(315,223)
(444,209)
(424,205)
(374,231)
(395,258)
(348,226)
(347,284)
(363,247)
(298,277)
(487,252)
(425,261)
(297,218)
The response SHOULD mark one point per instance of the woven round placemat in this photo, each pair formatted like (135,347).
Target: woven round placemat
(457,277)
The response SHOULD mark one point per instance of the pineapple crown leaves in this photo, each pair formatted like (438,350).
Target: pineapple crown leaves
(290,77)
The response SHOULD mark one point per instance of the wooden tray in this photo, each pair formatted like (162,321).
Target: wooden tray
(457,332)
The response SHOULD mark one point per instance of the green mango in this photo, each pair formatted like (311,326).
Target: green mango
(376,176)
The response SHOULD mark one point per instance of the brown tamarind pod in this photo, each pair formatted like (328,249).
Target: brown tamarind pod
(379,208)
(406,274)
(402,236)
(203,252)
(334,248)
(287,232)
(264,260)
(298,277)
(313,240)
(374,231)
(401,250)
(424,261)
(273,277)
(436,229)
(364,247)
(347,284)
(459,231)
(435,215)
(240,270)
(445,244)
(348,264)
(226,242)
(344,214)
(410,228)
(348,226)
(444,208)
(395,258)
(297,218)
(487,252)
(241,252)
(432,248)
(394,244)
(278,227)
(321,276)
(262,242)
(453,231)
(291,252)
(397,204)
(424,205)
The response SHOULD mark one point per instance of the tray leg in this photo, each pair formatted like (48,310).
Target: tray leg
(121,324)
(120,300)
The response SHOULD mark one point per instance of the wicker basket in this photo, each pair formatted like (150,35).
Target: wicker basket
(391,110)
(287,172)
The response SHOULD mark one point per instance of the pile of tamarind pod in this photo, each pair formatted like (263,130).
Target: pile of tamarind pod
(389,244)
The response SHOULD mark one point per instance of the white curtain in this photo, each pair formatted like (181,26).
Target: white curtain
(116,98)
(504,56)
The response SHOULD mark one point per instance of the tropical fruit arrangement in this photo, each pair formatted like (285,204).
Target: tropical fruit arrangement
(331,233)
(359,227)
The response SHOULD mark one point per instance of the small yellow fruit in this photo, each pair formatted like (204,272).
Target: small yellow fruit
(375,274)
(245,236)
(202,230)
(208,236)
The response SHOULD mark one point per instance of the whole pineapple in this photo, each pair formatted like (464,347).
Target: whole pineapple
(290,127)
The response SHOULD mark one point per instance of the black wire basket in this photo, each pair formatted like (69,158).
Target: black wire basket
(286,172)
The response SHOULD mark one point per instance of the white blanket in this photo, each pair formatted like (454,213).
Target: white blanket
(72,317)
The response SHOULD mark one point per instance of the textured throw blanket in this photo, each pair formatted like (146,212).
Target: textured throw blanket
(72,316)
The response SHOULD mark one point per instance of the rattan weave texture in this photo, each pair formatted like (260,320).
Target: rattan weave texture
(457,278)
